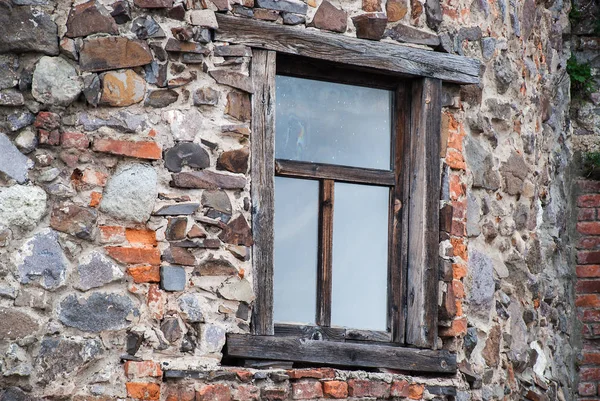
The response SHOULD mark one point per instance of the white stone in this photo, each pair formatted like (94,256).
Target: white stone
(22,206)
(236,289)
(55,82)
(204,18)
(184,126)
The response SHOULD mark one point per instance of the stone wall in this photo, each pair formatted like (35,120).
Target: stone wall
(124,200)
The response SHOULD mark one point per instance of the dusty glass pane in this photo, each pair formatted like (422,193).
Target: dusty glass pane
(360,256)
(296,238)
(332,123)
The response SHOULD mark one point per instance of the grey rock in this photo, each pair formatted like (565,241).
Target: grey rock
(48,175)
(290,6)
(19,119)
(11,98)
(92,89)
(480,283)
(488,47)
(8,292)
(473,216)
(237,289)
(528,17)
(471,34)
(9,65)
(206,96)
(481,164)
(22,206)
(205,18)
(36,298)
(16,362)
(218,200)
(60,357)
(146,27)
(15,394)
(520,216)
(134,342)
(16,324)
(202,35)
(156,74)
(242,11)
(172,278)
(470,340)
(514,171)
(30,31)
(96,270)
(504,73)
(55,82)
(177,209)
(72,219)
(122,121)
(293,19)
(186,154)
(232,51)
(121,12)
(208,180)
(130,194)
(13,163)
(518,352)
(43,261)
(433,13)
(100,311)
(243,311)
(409,34)
(214,336)
(171,329)
(161,98)
(234,79)
(499,110)
(191,307)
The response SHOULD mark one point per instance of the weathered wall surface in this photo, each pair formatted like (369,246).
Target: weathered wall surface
(124,200)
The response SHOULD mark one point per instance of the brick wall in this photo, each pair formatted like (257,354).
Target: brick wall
(588,287)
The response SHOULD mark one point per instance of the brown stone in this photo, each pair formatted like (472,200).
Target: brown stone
(89,18)
(237,232)
(206,96)
(491,351)
(179,256)
(266,15)
(112,53)
(196,232)
(174,45)
(221,5)
(176,228)
(234,79)
(330,18)
(409,34)
(72,219)
(153,3)
(235,161)
(177,12)
(161,98)
(16,324)
(396,9)
(416,9)
(208,180)
(370,26)
(232,51)
(371,6)
(239,106)
(122,88)
(239,129)
(215,267)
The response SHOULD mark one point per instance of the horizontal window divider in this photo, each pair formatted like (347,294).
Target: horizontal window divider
(315,332)
(356,175)
(298,349)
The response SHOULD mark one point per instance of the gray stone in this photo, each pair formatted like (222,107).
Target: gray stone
(186,154)
(16,324)
(48,175)
(514,171)
(433,13)
(55,82)
(499,110)
(237,289)
(92,89)
(232,51)
(177,209)
(69,48)
(208,180)
(15,393)
(26,141)
(36,298)
(504,73)
(70,218)
(488,47)
(172,278)
(11,98)
(528,17)
(206,96)
(122,121)
(60,356)
(409,34)
(293,19)
(480,282)
(481,164)
(100,311)
(96,270)
(185,126)
(190,305)
(161,98)
(218,200)
(205,18)
(290,6)
(121,12)
(19,119)
(171,329)
(43,261)
(470,340)
(9,65)
(520,216)
(146,27)
(16,362)
(89,18)
(214,336)
(470,34)
(234,79)
(22,206)
(215,267)
(8,292)
(202,35)
(30,31)
(13,163)
(130,194)
(473,216)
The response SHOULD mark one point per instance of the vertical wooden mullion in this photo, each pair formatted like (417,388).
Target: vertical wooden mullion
(423,213)
(325,264)
(398,217)
(263,187)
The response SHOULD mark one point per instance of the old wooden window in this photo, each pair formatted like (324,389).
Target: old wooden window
(401,176)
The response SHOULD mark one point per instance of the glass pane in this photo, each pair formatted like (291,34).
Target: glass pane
(360,256)
(296,239)
(332,123)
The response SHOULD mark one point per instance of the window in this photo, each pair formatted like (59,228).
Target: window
(310,177)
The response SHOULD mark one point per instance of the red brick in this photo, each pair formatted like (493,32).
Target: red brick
(321,373)
(588,271)
(589,227)
(589,243)
(274,393)
(143,391)
(589,374)
(459,247)
(459,289)
(136,370)
(368,388)
(145,274)
(586,214)
(458,328)
(457,189)
(587,389)
(246,392)
(95,198)
(588,257)
(307,389)
(587,286)
(590,200)
(590,358)
(156,300)
(112,234)
(399,388)
(588,301)
(245,376)
(415,391)
(139,149)
(455,160)
(180,393)
(459,209)
(74,140)
(459,270)
(213,392)
(149,256)
(335,389)
(589,186)
(458,228)
(141,237)
(589,316)
(94,178)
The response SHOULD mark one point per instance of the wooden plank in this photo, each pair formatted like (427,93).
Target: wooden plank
(263,187)
(324,283)
(390,57)
(297,169)
(340,354)
(368,335)
(423,219)
(311,332)
(398,220)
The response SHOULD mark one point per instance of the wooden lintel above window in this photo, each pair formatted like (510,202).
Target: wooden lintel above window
(394,58)
(340,353)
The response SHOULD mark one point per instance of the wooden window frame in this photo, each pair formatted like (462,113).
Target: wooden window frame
(413,278)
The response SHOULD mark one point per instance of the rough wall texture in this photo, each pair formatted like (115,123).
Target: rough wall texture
(124,200)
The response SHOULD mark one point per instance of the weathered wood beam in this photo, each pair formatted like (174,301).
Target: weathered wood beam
(390,57)
(297,169)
